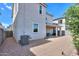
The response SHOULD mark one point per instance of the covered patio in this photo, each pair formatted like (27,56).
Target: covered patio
(53,30)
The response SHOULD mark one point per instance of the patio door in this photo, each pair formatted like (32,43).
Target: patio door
(54,32)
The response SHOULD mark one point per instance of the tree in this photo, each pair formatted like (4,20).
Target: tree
(72,20)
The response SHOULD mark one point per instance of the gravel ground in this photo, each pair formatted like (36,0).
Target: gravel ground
(11,48)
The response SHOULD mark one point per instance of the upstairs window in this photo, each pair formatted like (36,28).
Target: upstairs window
(35,28)
(46,20)
(40,9)
(60,21)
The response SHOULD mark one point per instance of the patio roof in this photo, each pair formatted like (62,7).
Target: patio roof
(53,25)
(59,18)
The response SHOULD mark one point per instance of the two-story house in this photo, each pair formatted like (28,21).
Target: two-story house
(55,27)
(29,19)
(33,20)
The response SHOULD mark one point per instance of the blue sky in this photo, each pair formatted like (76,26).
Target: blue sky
(6,11)
(56,9)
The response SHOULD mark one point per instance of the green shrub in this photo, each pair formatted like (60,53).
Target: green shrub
(72,20)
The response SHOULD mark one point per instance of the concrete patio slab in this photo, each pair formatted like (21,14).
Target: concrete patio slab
(41,47)
(57,47)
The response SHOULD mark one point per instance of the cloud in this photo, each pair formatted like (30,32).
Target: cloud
(5,25)
(2,8)
(8,7)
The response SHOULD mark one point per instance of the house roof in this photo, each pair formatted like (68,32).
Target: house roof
(59,18)
(44,4)
(53,24)
(49,14)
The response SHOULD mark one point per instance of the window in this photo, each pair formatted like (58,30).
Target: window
(35,28)
(46,18)
(60,21)
(40,9)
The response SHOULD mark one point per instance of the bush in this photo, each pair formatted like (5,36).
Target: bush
(72,20)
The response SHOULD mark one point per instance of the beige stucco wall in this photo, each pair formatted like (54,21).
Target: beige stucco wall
(63,23)
(49,19)
(49,30)
(15,11)
(28,14)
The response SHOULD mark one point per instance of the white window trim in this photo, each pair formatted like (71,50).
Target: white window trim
(33,27)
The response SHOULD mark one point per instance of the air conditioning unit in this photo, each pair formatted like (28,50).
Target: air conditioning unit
(24,39)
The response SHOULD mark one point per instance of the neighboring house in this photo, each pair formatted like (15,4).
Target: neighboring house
(33,20)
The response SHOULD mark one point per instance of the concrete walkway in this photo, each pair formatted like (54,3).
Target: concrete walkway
(42,47)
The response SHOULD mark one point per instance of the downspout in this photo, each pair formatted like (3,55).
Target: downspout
(12,10)
(24,20)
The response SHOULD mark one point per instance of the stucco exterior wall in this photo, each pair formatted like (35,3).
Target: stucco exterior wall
(49,19)
(56,21)
(63,23)
(15,11)
(28,14)
(49,31)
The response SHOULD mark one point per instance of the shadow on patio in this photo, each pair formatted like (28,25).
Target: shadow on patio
(11,48)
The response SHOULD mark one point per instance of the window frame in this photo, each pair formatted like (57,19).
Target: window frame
(60,21)
(35,28)
(40,9)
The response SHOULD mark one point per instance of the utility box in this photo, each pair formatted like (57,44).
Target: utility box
(24,39)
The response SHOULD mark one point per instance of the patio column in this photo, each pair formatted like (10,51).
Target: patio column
(56,31)
(60,31)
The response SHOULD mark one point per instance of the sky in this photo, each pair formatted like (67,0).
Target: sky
(5,16)
(56,9)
